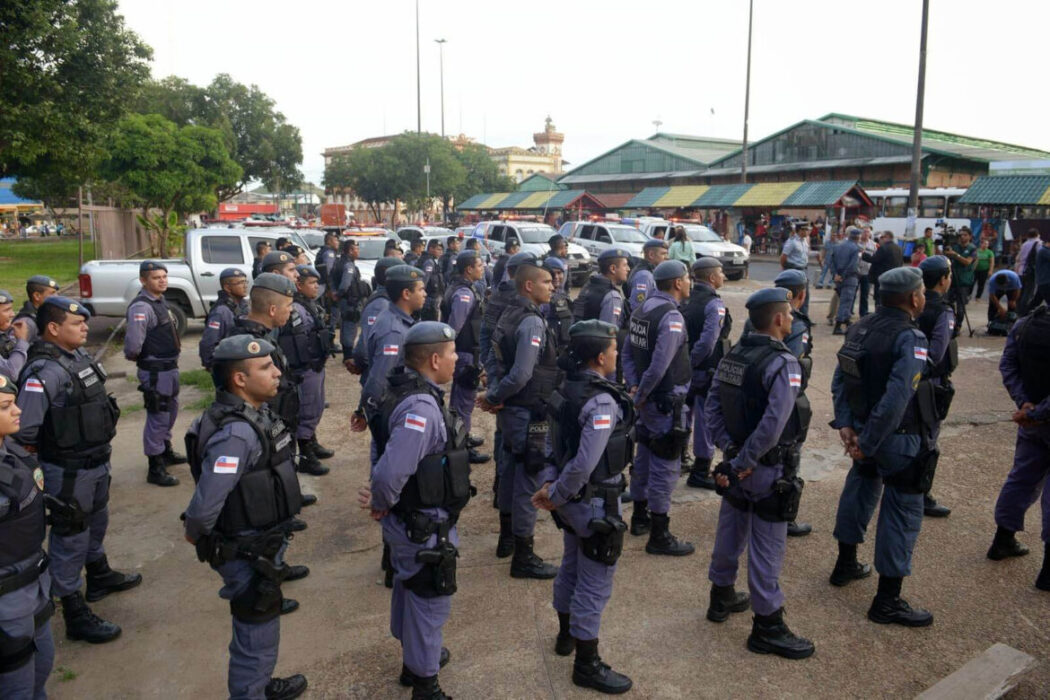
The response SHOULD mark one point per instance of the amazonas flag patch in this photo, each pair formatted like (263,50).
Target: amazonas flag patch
(675,327)
(795,379)
(535,341)
(921,354)
(34,385)
(138,317)
(214,324)
(414,422)
(721,311)
(226,465)
(466,298)
(602,422)
(390,349)
(371,320)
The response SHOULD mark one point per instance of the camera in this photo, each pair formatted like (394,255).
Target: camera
(948,235)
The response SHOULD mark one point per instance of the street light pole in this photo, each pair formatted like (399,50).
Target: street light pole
(747,93)
(441,63)
(916,144)
(419,105)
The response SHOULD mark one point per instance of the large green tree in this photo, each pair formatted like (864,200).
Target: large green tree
(67,71)
(482,173)
(412,153)
(173,169)
(372,174)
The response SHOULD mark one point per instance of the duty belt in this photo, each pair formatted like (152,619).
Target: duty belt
(603,491)
(26,577)
(158,365)
(420,526)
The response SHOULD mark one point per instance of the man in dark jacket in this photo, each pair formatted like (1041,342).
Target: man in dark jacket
(887,257)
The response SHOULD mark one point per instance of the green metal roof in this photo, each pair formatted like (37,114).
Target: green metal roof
(538,182)
(563,199)
(819,194)
(512,199)
(721,196)
(1007,189)
(647,197)
(472,202)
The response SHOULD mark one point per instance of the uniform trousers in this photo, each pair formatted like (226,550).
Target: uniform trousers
(311,403)
(69,553)
(703,442)
(583,586)
(847,293)
(766,543)
(253,646)
(654,478)
(1026,480)
(461,398)
(158,423)
(516,484)
(17,615)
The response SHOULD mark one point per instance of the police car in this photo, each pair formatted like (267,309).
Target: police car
(598,236)
(533,237)
(706,244)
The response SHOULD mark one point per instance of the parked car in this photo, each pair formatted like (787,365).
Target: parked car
(598,236)
(706,243)
(533,237)
(408,233)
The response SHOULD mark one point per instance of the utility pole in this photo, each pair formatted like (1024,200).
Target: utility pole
(441,63)
(747,92)
(419,105)
(916,144)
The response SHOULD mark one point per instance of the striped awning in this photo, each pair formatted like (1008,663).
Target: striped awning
(681,195)
(720,196)
(647,197)
(1008,189)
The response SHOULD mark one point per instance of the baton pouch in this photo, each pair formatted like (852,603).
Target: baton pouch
(942,399)
(438,575)
(534,456)
(606,544)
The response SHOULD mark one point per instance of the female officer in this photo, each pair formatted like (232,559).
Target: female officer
(590,446)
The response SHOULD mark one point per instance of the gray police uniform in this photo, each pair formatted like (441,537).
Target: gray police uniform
(304,341)
(28,312)
(845,258)
(378,302)
(463,311)
(558,311)
(220,320)
(247,490)
(640,285)
(434,283)
(351,291)
(708,324)
(386,352)
(13,353)
(325,262)
(153,344)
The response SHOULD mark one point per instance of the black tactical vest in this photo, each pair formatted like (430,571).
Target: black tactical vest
(286,404)
(1033,353)
(442,478)
(162,342)
(744,397)
(936,305)
(267,493)
(27,311)
(564,409)
(435,285)
(224,299)
(806,360)
(498,302)
(23,527)
(560,318)
(695,316)
(644,333)
(546,375)
(866,360)
(588,305)
(76,435)
(468,339)
(304,350)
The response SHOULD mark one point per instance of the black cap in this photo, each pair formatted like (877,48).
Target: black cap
(149,266)
(276,258)
(242,347)
(275,283)
(66,304)
(592,328)
(231,273)
(427,332)
(43,281)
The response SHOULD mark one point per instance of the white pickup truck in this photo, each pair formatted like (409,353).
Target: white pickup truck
(108,286)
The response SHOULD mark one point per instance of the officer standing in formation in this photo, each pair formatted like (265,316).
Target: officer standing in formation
(937,323)
(351,292)
(27,650)
(325,262)
(1025,366)
(758,414)
(522,373)
(447,261)
(590,446)
(67,423)
(500,271)
(708,324)
(262,249)
(14,338)
(242,454)
(433,281)
(558,311)
(882,412)
(560,250)
(420,484)
(38,288)
(304,342)
(601,299)
(657,371)
(152,342)
(641,283)
(845,257)
(231,302)
(464,309)
(356,361)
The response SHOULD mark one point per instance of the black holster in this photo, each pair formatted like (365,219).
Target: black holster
(534,456)
(606,543)
(468,377)
(65,517)
(943,393)
(261,600)
(438,575)
(917,477)
(670,444)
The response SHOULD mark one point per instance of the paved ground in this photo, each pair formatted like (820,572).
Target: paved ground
(502,630)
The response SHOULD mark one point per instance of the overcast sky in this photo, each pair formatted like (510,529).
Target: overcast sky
(604,70)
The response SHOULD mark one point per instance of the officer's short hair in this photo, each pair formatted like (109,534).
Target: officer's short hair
(416,244)
(434,243)
(761,317)
(417,355)
(705,273)
(346,245)
(930,278)
(465,262)
(262,299)
(222,370)
(49,313)
(451,239)
(894,298)
(473,244)
(795,290)
(394,288)
(35,288)
(528,273)
(260,246)
(606,265)
(666,285)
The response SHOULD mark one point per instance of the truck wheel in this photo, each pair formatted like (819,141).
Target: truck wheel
(179,316)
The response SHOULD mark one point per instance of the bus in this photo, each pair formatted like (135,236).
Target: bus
(890,210)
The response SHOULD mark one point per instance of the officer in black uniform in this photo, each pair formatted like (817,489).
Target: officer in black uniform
(68,421)
(350,291)
(238,519)
(884,412)
(501,271)
(262,249)
(231,302)
(325,262)
(558,311)
(420,484)
(433,280)
(415,250)
(38,288)
(447,261)
(601,299)
(27,650)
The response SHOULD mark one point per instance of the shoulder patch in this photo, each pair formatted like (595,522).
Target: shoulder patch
(138,316)
(535,341)
(390,349)
(602,421)
(215,325)
(226,465)
(35,385)
(416,422)
(920,353)
(371,320)
(795,379)
(675,326)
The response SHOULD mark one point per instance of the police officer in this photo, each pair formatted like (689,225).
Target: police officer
(27,650)
(447,261)
(882,412)
(433,281)
(262,249)
(845,257)
(558,311)
(242,454)
(415,250)
(464,309)
(708,324)
(1026,376)
(559,249)
(937,323)
(281,262)
(14,338)
(420,484)
(641,284)
(67,422)
(231,303)
(602,297)
(759,416)
(152,342)
(325,263)
(524,373)
(657,371)
(501,271)
(351,292)
(38,288)
(378,301)
(304,341)
(590,446)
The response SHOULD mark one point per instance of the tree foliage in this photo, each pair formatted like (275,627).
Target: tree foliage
(482,173)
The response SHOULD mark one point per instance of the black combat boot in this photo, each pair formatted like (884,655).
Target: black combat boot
(640,522)
(102,580)
(725,600)
(308,462)
(770,635)
(505,543)
(1006,545)
(589,671)
(564,644)
(289,605)
(797,529)
(158,472)
(1042,581)
(478,457)
(889,608)
(838,329)
(427,689)
(296,572)
(932,509)
(85,625)
(526,564)
(286,688)
(661,541)
(847,568)
(320,451)
(700,476)
(475,441)
(407,677)
(171,457)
